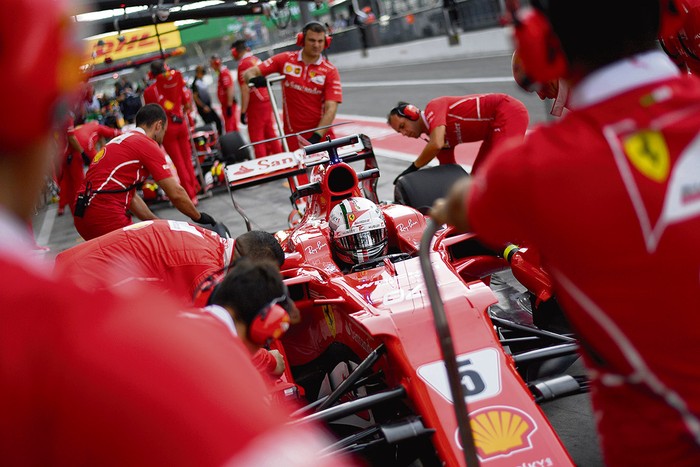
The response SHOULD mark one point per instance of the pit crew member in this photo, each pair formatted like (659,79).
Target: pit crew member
(107,197)
(452,120)
(81,150)
(78,368)
(311,89)
(173,255)
(256,110)
(610,195)
(168,91)
(226,93)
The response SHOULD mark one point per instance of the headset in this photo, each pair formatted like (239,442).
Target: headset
(215,59)
(270,322)
(302,34)
(234,49)
(538,47)
(408,111)
(673,16)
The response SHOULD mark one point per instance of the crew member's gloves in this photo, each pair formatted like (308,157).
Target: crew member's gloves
(258,82)
(69,159)
(411,168)
(229,111)
(86,159)
(205,218)
(315,138)
(244,119)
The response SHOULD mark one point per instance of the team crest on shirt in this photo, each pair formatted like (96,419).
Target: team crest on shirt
(642,156)
(98,156)
(292,69)
(648,153)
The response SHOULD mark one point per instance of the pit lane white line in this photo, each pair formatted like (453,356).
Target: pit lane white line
(423,82)
(47,226)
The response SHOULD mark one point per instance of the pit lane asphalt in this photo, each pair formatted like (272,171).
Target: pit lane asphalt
(373,92)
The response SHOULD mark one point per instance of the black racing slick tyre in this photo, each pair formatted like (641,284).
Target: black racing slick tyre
(420,189)
(231,151)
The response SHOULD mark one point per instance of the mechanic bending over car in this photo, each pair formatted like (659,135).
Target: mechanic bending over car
(623,254)
(107,197)
(78,368)
(173,255)
(311,89)
(256,109)
(452,120)
(556,89)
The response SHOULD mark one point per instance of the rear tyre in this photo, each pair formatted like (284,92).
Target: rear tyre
(420,189)
(231,151)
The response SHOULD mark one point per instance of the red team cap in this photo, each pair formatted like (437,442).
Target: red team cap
(40,55)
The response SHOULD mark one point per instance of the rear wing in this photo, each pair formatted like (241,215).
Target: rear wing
(288,165)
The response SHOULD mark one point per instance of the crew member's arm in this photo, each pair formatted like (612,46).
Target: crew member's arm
(327,117)
(251,72)
(178,196)
(433,147)
(139,208)
(453,209)
(245,95)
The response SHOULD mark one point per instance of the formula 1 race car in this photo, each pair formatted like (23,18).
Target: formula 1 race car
(365,357)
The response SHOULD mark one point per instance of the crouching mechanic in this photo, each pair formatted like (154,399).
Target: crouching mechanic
(173,255)
(252,302)
(452,120)
(107,197)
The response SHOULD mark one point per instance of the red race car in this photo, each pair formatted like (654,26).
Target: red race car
(364,355)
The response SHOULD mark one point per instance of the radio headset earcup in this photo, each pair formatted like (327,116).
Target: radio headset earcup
(300,35)
(540,51)
(409,111)
(235,54)
(269,324)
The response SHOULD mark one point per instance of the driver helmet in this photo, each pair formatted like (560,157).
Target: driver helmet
(358,230)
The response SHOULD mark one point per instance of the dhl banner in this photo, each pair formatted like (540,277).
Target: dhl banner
(136,42)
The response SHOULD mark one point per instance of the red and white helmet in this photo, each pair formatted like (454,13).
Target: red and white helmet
(358,230)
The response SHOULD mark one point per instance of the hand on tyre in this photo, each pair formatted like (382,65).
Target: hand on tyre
(411,168)
(205,219)
(258,82)
(244,119)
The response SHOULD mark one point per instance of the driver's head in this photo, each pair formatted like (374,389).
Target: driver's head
(358,230)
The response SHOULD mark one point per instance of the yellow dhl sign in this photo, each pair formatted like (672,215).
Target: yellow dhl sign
(136,42)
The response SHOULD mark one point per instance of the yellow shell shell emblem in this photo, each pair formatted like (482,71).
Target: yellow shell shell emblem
(648,153)
(499,431)
(98,156)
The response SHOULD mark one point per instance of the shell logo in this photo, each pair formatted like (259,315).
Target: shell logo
(500,431)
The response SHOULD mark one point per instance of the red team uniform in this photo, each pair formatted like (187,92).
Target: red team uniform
(633,202)
(225,82)
(72,174)
(123,163)
(493,118)
(261,124)
(168,91)
(305,90)
(174,255)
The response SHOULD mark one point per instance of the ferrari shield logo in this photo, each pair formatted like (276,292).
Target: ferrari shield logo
(648,153)
(98,156)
